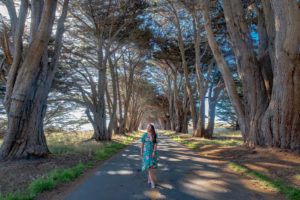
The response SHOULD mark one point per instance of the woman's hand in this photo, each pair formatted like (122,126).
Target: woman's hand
(153,154)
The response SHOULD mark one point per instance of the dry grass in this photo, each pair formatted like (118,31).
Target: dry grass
(221,137)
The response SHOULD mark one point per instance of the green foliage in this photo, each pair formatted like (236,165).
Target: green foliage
(237,167)
(278,185)
(90,164)
(40,185)
(47,183)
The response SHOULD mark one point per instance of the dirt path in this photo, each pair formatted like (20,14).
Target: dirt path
(181,175)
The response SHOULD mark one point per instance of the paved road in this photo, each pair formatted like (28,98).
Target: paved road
(180,175)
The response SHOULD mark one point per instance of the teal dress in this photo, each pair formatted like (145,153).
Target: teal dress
(148,160)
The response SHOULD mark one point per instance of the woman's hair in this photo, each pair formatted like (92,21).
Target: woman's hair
(153,133)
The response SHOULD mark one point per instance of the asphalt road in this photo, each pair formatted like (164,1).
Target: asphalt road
(181,175)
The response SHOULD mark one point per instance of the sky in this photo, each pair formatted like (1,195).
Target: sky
(3,10)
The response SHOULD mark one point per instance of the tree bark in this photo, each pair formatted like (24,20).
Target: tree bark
(213,98)
(100,130)
(211,120)
(171,104)
(281,123)
(254,90)
(113,119)
(29,85)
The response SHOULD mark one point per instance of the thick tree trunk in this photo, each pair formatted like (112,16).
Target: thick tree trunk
(281,122)
(254,90)
(274,119)
(211,120)
(213,97)
(28,86)
(201,119)
(100,132)
(185,108)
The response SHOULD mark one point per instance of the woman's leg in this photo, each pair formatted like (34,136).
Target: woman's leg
(149,180)
(151,175)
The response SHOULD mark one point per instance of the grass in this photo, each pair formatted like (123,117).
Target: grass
(277,185)
(48,182)
(65,143)
(222,137)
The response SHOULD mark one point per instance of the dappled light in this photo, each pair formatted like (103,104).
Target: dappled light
(149,99)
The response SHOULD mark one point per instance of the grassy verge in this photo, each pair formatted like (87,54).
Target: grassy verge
(47,183)
(277,185)
(97,151)
(219,140)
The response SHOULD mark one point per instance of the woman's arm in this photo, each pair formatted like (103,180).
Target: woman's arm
(154,150)
(142,152)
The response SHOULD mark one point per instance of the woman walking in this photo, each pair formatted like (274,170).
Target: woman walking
(149,153)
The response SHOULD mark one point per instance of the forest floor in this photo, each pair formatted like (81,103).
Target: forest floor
(67,151)
(227,147)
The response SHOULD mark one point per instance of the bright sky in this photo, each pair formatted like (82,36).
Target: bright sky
(3,10)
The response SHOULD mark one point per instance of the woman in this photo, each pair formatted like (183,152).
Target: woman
(149,153)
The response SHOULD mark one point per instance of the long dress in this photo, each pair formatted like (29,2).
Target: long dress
(148,160)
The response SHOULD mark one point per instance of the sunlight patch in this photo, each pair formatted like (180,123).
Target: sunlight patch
(121,172)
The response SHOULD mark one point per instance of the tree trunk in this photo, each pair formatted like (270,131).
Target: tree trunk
(101,133)
(185,108)
(29,83)
(171,105)
(254,90)
(211,120)
(129,86)
(201,119)
(113,120)
(281,124)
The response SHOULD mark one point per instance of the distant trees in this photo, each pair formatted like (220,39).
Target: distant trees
(186,51)
(105,62)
